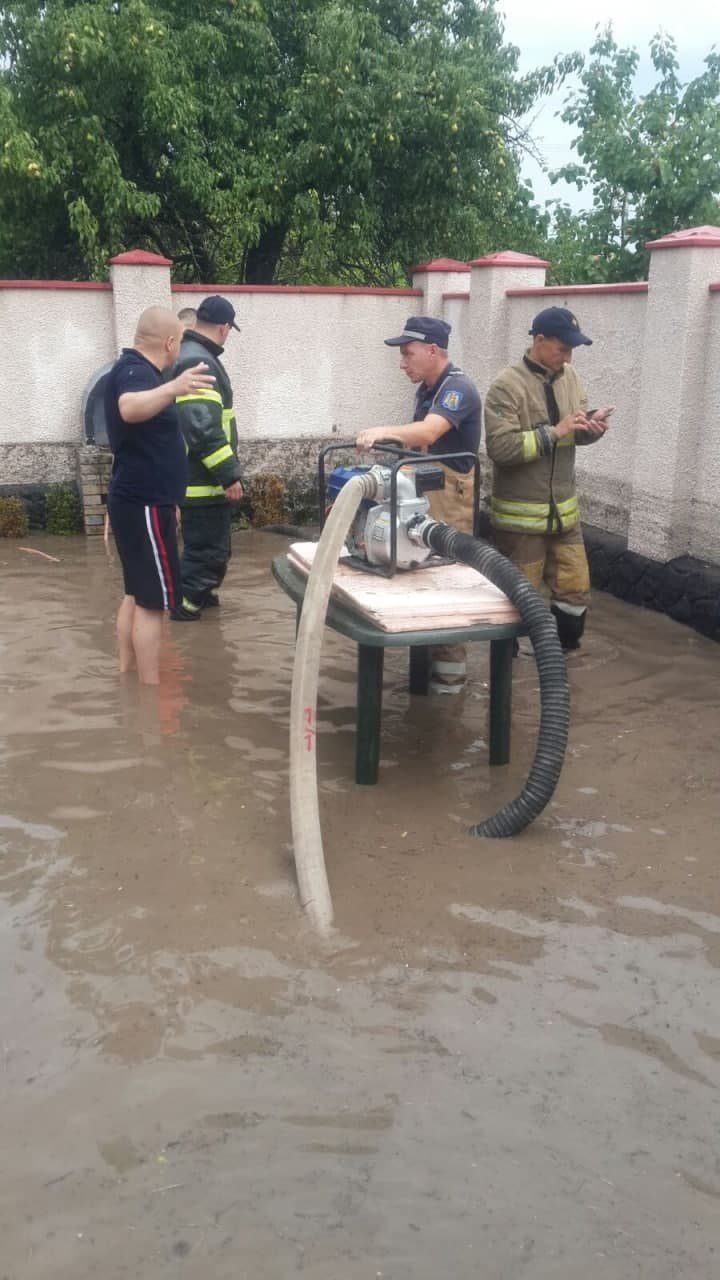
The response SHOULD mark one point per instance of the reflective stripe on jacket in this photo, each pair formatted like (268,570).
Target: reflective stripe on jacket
(208,424)
(533,472)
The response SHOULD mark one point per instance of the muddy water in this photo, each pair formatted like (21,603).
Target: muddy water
(506,1061)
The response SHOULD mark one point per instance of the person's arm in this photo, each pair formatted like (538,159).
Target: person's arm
(140,406)
(508,443)
(414,435)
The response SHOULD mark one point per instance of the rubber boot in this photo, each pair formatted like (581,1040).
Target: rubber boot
(187,611)
(570,626)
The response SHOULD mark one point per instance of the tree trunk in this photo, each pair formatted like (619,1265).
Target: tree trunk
(262,260)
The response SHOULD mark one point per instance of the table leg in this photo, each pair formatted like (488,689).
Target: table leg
(419,669)
(501,667)
(369,713)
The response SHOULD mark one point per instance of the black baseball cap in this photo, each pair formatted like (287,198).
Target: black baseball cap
(558,322)
(422,329)
(217,310)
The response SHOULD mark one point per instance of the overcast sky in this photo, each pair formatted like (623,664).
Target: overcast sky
(540,33)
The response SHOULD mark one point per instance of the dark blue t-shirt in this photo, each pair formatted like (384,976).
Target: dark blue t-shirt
(455,397)
(149,461)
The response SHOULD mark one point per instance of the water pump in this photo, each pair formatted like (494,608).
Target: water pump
(378,540)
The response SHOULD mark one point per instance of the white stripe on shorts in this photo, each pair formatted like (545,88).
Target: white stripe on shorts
(156,554)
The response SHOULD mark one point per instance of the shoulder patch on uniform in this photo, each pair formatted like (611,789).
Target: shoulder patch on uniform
(451,400)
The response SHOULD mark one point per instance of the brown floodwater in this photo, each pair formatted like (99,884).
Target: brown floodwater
(504,1063)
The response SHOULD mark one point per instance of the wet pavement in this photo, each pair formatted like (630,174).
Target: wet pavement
(503,1064)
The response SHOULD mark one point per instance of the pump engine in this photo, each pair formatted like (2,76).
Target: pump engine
(370,541)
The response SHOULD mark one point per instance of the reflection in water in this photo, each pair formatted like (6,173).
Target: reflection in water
(174,690)
(529,1022)
(35,830)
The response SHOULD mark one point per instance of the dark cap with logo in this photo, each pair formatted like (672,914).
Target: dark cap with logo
(422,329)
(217,310)
(558,322)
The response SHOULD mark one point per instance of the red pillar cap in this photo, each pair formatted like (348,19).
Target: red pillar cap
(441,264)
(693,238)
(139,258)
(508,258)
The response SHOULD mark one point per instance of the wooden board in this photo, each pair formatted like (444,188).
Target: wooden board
(420,600)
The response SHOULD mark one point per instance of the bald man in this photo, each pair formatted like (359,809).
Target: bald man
(148,482)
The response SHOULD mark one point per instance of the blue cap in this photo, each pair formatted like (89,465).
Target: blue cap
(422,329)
(217,310)
(558,322)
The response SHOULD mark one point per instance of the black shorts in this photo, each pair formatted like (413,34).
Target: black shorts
(146,540)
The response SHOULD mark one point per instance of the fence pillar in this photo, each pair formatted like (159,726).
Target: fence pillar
(139,280)
(437,277)
(487,347)
(671,392)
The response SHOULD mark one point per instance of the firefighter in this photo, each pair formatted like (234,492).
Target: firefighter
(535,414)
(214,480)
(446,420)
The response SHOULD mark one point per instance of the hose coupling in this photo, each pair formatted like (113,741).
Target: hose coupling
(418,529)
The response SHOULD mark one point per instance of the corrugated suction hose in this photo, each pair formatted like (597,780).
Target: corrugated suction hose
(554,691)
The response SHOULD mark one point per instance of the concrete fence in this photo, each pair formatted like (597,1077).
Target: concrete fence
(310,365)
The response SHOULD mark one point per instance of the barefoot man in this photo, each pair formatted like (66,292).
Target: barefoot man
(148,482)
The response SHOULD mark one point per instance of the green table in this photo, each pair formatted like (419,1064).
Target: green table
(372,643)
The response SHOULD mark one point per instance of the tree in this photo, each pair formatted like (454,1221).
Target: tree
(260,139)
(652,162)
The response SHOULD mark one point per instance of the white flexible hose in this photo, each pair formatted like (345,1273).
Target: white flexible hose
(304,807)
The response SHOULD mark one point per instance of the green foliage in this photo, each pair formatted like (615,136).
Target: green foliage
(64,512)
(13,518)
(652,162)
(327,140)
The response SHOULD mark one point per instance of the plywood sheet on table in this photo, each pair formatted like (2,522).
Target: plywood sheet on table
(421,600)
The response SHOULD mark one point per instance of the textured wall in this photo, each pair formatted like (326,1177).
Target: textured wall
(705,484)
(36,463)
(309,364)
(54,340)
(672,394)
(136,287)
(456,312)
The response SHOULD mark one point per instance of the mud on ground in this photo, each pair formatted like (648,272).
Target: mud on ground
(505,1062)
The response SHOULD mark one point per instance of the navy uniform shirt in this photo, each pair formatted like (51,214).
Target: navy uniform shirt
(454,397)
(149,463)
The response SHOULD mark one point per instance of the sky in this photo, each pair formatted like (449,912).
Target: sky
(540,32)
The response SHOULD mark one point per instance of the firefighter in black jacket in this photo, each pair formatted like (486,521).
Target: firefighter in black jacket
(214,481)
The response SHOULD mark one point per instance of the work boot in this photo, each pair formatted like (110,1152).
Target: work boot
(186,611)
(212,601)
(570,625)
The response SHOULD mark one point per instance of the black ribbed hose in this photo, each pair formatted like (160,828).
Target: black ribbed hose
(554,691)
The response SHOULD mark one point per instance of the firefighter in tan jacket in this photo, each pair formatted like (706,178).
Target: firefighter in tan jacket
(535,414)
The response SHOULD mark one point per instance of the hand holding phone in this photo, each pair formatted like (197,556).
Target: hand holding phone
(596,422)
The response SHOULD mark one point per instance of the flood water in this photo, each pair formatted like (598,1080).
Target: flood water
(504,1063)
